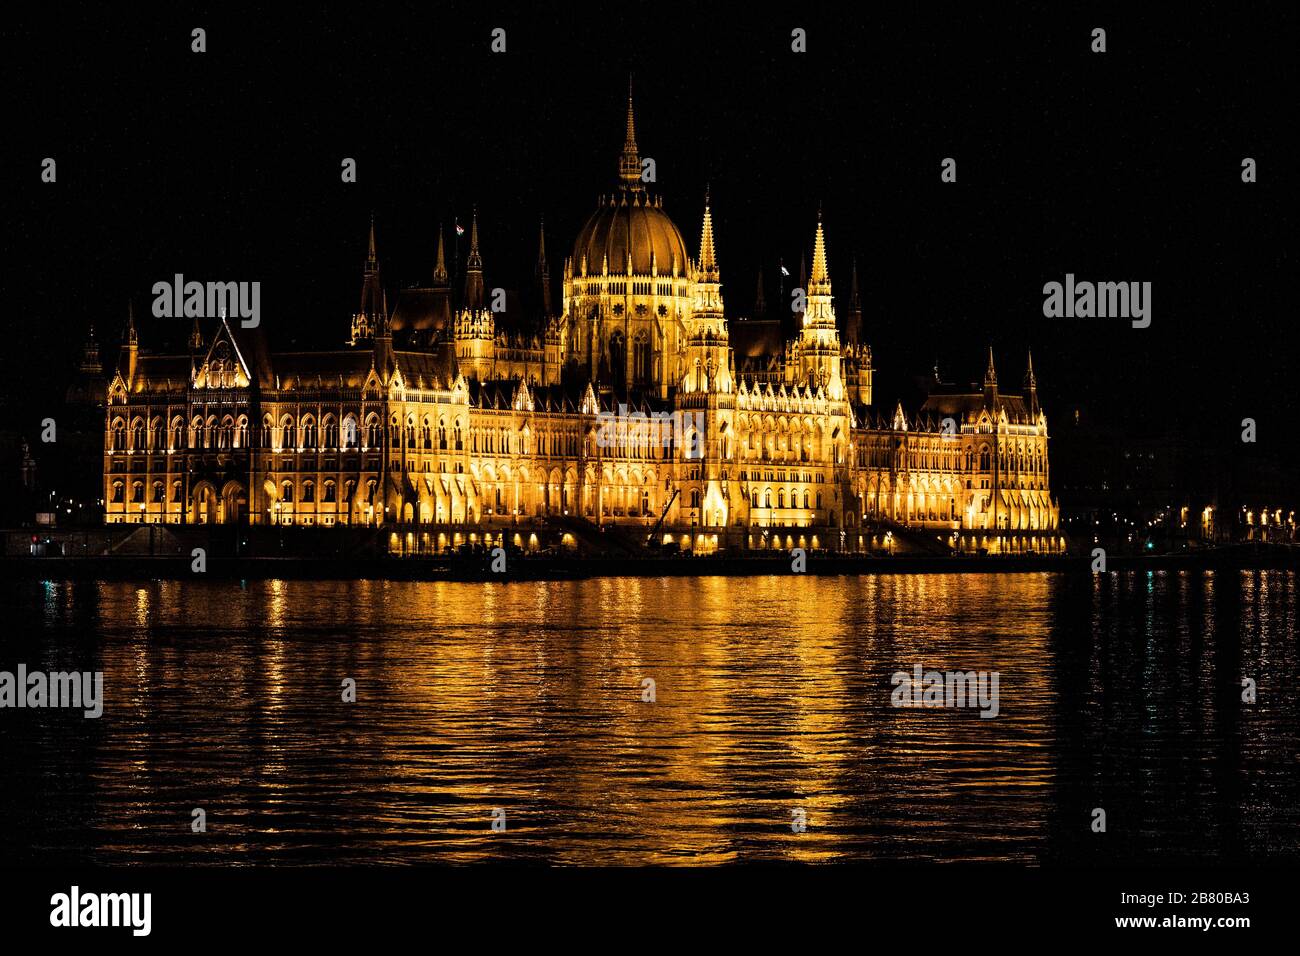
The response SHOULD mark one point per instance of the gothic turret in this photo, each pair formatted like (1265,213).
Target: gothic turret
(474,298)
(372,312)
(543,276)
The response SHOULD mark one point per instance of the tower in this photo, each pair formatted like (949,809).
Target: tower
(707,352)
(706,395)
(819,341)
(475,330)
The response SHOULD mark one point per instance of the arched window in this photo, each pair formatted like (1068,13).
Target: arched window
(780,498)
(767,498)
(308,491)
(157,493)
(456,436)
(118,491)
(641,359)
(309,433)
(137,435)
(618,359)
(442,434)
(286,492)
(329,492)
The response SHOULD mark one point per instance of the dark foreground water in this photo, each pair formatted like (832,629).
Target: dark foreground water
(1122,692)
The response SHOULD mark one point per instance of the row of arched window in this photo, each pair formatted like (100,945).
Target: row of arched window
(781,498)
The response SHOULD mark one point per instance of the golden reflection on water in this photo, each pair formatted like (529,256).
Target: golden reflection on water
(772,695)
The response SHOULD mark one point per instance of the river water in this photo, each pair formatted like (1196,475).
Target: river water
(524,703)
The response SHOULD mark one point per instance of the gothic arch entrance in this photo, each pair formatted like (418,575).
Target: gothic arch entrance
(234,503)
(203,503)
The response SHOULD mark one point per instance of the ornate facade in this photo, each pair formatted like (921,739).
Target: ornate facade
(636,407)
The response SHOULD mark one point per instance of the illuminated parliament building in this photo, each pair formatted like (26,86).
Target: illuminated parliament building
(634,411)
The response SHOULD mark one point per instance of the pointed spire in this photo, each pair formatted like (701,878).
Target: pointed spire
(708,256)
(820,271)
(474,258)
(990,373)
(130,323)
(853,322)
(629,166)
(196,336)
(630,142)
(474,269)
(440,267)
(1031,382)
(760,303)
(372,296)
(543,273)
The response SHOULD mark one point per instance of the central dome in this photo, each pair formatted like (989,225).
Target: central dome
(630,224)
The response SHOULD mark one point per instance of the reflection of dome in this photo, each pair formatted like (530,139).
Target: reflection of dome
(630,223)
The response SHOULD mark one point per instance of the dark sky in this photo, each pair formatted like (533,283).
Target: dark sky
(1118,166)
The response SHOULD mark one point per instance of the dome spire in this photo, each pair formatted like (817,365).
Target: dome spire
(629,166)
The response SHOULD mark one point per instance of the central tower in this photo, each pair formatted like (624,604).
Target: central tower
(627,285)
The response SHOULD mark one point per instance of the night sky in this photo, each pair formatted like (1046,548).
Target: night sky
(1122,166)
